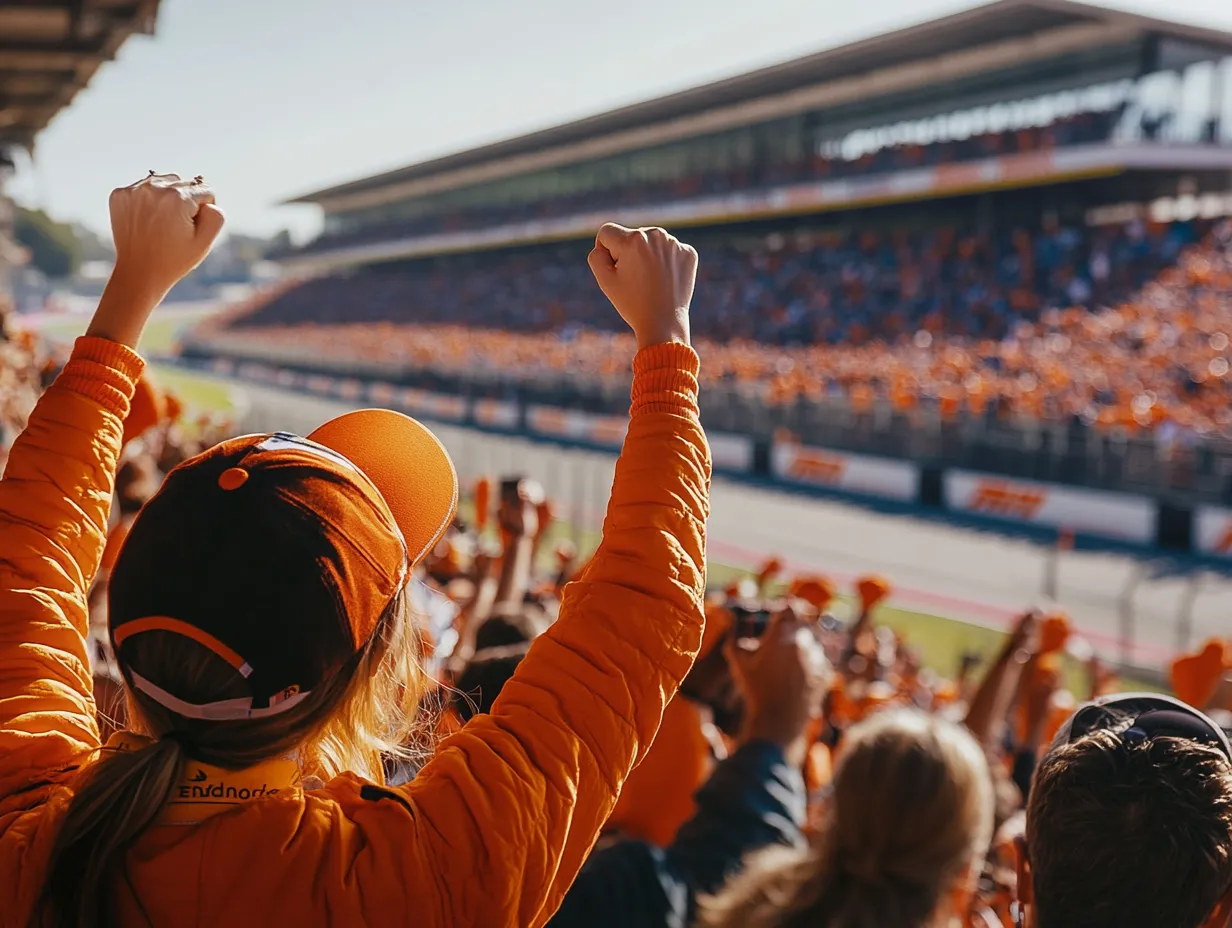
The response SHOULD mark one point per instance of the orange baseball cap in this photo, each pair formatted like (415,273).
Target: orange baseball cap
(872,589)
(280,554)
(147,409)
(817,591)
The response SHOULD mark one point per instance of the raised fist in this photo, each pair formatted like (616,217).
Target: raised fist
(163,228)
(783,677)
(648,275)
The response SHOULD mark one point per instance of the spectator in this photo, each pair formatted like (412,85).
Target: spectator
(754,798)
(904,836)
(1130,820)
(285,550)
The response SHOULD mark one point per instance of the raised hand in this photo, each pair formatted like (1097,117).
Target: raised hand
(648,274)
(783,677)
(163,228)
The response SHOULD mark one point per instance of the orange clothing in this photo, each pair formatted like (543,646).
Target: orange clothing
(658,796)
(115,541)
(494,828)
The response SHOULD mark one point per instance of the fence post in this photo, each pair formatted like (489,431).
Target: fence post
(1064,542)
(1125,608)
(1184,622)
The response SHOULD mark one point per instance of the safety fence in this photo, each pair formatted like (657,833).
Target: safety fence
(1136,519)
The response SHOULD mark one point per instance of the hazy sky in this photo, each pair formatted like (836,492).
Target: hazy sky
(270,98)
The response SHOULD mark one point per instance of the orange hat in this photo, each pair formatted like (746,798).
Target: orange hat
(280,554)
(817,591)
(146,410)
(657,798)
(1195,677)
(1054,632)
(769,570)
(173,407)
(872,589)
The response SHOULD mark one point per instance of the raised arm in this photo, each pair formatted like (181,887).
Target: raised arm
(56,494)
(513,803)
(753,799)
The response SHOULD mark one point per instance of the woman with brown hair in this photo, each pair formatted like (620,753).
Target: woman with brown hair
(904,836)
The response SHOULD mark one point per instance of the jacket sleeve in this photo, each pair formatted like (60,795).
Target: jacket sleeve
(509,807)
(54,502)
(752,800)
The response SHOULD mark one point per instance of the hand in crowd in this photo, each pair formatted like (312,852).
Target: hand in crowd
(649,275)
(783,676)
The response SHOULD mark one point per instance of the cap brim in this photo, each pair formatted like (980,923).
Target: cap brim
(407,463)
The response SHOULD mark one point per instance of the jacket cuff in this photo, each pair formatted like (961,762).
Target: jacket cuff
(665,380)
(104,371)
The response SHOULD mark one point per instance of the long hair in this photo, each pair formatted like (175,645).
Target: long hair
(911,812)
(366,709)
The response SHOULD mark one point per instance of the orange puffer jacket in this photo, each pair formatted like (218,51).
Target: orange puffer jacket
(492,831)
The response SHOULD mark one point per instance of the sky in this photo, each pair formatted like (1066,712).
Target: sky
(272,98)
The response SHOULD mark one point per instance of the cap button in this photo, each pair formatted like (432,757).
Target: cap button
(233,478)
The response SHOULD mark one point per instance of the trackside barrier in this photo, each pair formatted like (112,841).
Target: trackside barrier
(1213,531)
(852,473)
(1115,516)
(732,453)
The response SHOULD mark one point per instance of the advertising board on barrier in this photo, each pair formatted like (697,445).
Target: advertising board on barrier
(319,384)
(496,414)
(1119,516)
(853,473)
(432,405)
(382,394)
(574,425)
(731,452)
(1213,530)
(349,389)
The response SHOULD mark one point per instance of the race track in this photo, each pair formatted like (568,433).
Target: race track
(937,567)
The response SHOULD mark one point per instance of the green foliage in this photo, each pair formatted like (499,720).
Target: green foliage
(54,247)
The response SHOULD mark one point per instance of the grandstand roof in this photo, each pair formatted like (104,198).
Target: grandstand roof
(50,49)
(982,25)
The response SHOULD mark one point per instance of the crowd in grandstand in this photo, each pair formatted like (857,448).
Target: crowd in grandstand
(343,702)
(1125,326)
(22,378)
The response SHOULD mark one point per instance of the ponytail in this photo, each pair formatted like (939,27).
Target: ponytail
(117,798)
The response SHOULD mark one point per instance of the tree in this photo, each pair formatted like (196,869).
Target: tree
(54,247)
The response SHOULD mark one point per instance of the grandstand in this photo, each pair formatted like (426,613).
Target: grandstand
(49,50)
(1135,106)
(878,223)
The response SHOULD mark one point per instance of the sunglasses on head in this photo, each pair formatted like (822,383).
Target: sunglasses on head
(1149,715)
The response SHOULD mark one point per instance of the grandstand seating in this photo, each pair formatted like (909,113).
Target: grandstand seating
(1015,322)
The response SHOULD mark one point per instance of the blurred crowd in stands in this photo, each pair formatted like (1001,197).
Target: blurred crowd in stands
(1119,327)
(24,373)
(1082,128)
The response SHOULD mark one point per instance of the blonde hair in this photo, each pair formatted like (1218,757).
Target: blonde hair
(367,710)
(911,812)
